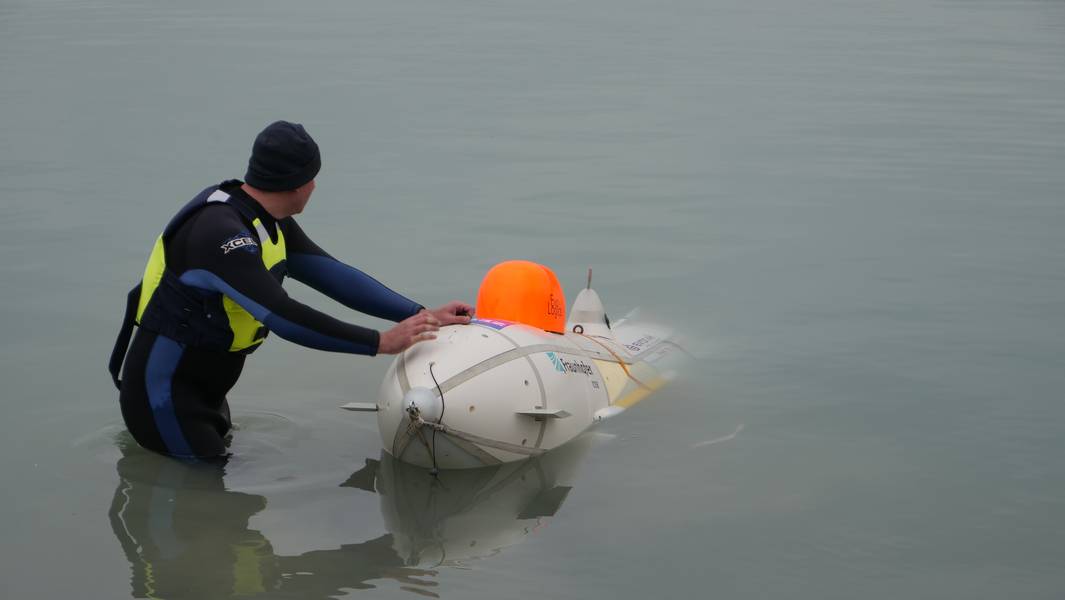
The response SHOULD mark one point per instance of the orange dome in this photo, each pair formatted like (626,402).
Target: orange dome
(523,292)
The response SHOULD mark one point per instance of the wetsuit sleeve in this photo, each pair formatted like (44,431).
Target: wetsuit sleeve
(220,254)
(347,285)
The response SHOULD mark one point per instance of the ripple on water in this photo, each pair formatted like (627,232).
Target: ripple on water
(267,453)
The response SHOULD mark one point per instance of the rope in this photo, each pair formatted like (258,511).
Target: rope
(620,360)
(438,419)
(416,424)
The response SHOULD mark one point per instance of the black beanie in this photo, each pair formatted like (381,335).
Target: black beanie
(283,158)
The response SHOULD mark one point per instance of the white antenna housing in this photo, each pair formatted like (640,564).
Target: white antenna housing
(587,314)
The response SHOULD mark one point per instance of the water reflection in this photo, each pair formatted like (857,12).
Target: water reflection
(186,536)
(474,513)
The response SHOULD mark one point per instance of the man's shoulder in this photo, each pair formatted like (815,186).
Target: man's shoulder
(216,217)
(217,230)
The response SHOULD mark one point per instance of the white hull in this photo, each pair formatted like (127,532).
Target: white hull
(494,392)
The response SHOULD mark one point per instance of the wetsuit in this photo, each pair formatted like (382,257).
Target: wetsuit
(173,387)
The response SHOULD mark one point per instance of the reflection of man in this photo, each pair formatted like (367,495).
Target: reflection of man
(212,290)
(186,536)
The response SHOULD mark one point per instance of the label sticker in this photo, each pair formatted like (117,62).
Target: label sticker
(492,323)
(569,366)
(241,241)
(638,346)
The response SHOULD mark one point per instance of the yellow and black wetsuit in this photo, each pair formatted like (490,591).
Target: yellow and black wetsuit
(210,293)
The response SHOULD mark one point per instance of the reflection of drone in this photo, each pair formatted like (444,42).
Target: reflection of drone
(471,513)
(520,380)
(185,535)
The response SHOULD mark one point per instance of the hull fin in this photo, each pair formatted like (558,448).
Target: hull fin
(360,406)
(544,413)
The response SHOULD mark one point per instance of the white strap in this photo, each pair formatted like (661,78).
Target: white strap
(264,237)
(218,196)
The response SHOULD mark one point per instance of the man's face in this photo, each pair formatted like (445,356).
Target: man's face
(301,196)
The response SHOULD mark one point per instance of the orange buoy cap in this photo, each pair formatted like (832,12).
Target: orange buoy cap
(523,292)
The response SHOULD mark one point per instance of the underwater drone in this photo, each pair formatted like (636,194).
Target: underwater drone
(519,379)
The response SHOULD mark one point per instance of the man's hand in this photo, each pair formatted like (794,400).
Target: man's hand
(453,312)
(408,332)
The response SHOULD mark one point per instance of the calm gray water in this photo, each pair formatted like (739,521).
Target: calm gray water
(853,209)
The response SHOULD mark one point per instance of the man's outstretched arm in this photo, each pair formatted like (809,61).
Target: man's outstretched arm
(311,265)
(240,274)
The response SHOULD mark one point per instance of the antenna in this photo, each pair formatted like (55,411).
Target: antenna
(589,278)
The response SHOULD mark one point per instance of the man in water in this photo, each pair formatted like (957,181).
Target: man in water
(212,290)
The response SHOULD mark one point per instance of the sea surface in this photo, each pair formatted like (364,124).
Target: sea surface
(853,210)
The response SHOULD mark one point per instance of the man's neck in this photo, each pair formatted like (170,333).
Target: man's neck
(273,202)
